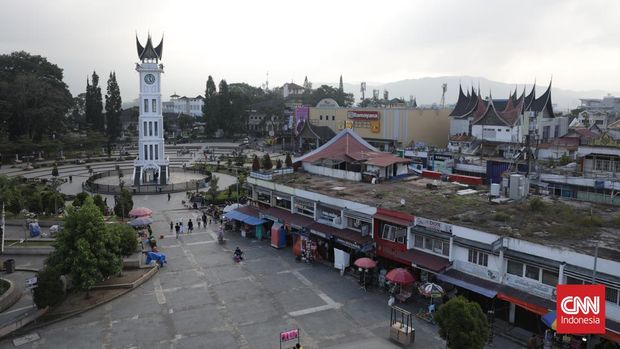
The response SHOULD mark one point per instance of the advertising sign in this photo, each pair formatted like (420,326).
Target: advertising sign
(580,309)
(363,114)
(287,336)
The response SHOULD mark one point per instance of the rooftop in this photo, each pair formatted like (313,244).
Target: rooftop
(543,220)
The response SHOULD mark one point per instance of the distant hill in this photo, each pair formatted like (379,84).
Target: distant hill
(428,90)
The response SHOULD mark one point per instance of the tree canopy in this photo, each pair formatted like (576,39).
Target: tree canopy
(33,97)
(113,108)
(94,105)
(463,324)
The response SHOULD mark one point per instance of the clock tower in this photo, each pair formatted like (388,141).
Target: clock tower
(151,165)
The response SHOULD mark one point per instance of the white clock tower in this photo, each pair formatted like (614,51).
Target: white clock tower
(151,166)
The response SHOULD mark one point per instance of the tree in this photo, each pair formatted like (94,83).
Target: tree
(123,203)
(185,122)
(98,201)
(278,164)
(85,249)
(209,110)
(224,110)
(212,191)
(463,324)
(267,164)
(128,241)
(255,164)
(34,100)
(49,290)
(55,171)
(94,105)
(79,199)
(113,108)
(288,161)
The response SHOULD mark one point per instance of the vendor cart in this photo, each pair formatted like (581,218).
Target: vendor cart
(401,326)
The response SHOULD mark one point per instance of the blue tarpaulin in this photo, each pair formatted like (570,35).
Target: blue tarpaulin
(160,258)
(247,219)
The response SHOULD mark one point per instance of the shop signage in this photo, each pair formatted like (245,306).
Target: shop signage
(359,114)
(433,225)
(533,287)
(292,335)
(348,244)
(580,309)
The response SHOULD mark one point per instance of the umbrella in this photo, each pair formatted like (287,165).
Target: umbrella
(140,212)
(400,276)
(141,222)
(365,263)
(432,290)
(231,207)
(549,320)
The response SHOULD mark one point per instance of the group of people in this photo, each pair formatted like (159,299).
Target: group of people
(188,228)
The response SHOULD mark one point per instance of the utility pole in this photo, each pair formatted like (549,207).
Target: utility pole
(3,229)
(237,175)
(593,281)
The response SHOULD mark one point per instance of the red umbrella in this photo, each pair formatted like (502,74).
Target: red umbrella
(400,276)
(140,212)
(365,263)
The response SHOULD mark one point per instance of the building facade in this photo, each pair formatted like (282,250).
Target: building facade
(184,105)
(150,166)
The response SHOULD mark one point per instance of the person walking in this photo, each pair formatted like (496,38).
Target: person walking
(168,196)
(171,226)
(177,228)
(198,221)
(204,220)
(182,228)
(190,226)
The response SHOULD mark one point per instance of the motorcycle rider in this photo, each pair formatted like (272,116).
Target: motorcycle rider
(238,254)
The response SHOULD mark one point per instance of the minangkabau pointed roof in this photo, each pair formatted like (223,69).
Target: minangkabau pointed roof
(148,51)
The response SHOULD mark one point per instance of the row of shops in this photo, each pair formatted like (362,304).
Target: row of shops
(396,239)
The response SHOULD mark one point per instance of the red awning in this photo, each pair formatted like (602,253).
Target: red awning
(539,306)
(416,258)
(396,217)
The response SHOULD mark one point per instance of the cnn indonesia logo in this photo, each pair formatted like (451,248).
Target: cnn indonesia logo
(580,309)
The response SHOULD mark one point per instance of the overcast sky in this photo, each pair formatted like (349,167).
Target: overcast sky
(376,41)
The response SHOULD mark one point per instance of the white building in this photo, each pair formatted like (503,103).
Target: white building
(185,105)
(150,166)
(608,103)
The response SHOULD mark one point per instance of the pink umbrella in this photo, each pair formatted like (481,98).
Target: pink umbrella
(400,276)
(365,263)
(140,212)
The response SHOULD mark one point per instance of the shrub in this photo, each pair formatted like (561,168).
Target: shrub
(98,200)
(501,217)
(255,164)
(278,164)
(79,199)
(537,205)
(128,238)
(288,161)
(267,164)
(123,203)
(49,291)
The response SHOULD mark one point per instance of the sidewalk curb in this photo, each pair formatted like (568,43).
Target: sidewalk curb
(135,284)
(10,297)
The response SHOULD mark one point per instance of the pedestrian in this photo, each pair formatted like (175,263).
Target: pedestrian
(204,220)
(190,226)
(177,228)
(182,227)
(171,226)
(198,221)
(70,179)
(168,196)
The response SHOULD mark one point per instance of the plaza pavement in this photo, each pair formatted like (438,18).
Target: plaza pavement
(202,299)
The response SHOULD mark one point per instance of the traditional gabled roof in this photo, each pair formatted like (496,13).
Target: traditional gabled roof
(324,133)
(530,97)
(614,125)
(460,108)
(349,146)
(507,117)
(543,102)
(148,51)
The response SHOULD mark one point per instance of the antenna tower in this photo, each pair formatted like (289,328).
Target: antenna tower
(444,88)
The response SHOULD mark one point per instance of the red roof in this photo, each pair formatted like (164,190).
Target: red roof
(585,133)
(461,138)
(397,217)
(417,258)
(347,146)
(249,210)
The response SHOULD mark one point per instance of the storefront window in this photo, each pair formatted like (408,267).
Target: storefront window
(549,278)
(532,272)
(515,268)
(359,225)
(478,257)
(283,202)
(393,233)
(611,295)
(418,241)
(305,208)
(264,197)
(328,214)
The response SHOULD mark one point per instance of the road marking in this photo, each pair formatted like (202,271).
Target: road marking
(159,293)
(26,339)
(199,243)
(311,310)
(18,309)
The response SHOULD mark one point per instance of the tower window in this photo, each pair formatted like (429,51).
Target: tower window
(144,129)
(150,128)
(156,129)
(146,105)
(146,153)
(151,151)
(154,106)
(156,152)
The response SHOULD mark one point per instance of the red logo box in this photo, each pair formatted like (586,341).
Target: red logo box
(580,309)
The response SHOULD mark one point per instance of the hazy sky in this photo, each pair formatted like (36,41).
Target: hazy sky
(375,41)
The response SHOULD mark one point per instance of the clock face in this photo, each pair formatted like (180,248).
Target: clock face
(149,79)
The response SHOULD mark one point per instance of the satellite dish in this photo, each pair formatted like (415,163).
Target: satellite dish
(402,202)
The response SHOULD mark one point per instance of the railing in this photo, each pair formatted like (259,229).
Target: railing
(194,184)
(268,176)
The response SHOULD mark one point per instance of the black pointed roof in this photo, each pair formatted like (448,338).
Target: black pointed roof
(460,108)
(543,103)
(530,97)
(148,51)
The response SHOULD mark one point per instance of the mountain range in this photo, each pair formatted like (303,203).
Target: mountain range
(427,91)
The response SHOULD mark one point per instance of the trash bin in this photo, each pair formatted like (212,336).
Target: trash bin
(9,266)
